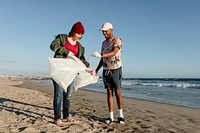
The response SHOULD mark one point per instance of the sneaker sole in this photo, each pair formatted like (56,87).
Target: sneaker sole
(121,122)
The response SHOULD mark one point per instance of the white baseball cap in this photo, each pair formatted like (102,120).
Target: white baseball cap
(106,26)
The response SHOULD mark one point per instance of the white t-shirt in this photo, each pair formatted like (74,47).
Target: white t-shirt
(115,61)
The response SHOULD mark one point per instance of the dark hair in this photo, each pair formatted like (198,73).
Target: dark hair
(71,33)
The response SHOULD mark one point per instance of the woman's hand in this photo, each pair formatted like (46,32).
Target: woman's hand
(91,71)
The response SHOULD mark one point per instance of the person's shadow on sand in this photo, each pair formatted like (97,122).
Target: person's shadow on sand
(19,111)
(89,117)
(25,111)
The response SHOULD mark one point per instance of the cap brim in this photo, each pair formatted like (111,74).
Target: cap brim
(103,29)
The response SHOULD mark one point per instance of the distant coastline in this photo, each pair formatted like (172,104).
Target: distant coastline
(26,77)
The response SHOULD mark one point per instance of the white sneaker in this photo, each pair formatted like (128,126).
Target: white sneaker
(108,120)
(121,120)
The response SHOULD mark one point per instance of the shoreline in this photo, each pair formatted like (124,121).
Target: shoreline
(88,108)
(31,85)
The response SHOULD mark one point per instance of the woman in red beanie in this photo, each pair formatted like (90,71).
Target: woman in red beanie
(66,46)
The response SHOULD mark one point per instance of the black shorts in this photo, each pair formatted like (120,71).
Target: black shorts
(112,78)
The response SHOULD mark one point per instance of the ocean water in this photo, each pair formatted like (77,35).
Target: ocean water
(176,91)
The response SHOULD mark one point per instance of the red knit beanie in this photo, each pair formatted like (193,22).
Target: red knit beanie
(78,28)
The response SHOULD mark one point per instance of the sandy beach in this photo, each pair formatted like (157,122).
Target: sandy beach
(26,106)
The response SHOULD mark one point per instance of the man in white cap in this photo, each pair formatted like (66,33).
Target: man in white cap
(112,69)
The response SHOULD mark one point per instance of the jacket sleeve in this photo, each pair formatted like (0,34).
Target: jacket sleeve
(57,46)
(81,55)
(82,58)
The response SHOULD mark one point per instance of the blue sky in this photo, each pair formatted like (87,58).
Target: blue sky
(160,37)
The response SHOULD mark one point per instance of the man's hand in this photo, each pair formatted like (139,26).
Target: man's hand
(96,54)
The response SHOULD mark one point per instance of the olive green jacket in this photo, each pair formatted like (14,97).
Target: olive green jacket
(58,47)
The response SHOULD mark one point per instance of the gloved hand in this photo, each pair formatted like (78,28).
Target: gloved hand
(96,54)
(72,56)
(91,71)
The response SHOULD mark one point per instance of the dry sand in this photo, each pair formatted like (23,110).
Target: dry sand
(27,107)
